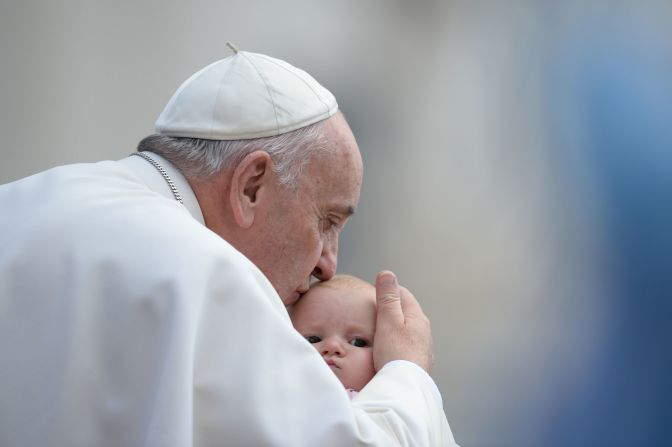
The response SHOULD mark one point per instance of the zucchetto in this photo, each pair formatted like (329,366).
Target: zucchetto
(246,95)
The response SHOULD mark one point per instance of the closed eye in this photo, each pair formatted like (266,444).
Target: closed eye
(330,224)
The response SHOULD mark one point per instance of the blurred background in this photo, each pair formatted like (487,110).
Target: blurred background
(518,174)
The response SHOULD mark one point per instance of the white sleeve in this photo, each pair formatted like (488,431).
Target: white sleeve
(406,399)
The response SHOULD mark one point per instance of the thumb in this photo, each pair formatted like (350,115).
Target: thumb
(388,297)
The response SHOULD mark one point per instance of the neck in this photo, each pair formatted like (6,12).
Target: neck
(212,196)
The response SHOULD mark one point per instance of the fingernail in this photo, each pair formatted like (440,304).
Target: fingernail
(387,279)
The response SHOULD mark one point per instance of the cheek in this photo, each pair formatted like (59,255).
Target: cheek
(362,359)
(307,248)
(359,370)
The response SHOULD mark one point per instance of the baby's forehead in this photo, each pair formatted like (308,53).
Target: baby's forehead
(339,304)
(345,282)
(340,291)
(355,288)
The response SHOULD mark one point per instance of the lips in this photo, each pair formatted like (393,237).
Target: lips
(293,298)
(296,296)
(332,364)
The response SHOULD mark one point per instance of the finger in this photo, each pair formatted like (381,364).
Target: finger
(388,296)
(409,304)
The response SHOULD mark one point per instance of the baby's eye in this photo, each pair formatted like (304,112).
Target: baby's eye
(359,342)
(313,339)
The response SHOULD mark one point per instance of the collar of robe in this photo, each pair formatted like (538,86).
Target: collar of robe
(162,177)
(163,173)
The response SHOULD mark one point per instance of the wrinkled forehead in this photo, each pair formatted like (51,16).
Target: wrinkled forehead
(339,167)
(340,136)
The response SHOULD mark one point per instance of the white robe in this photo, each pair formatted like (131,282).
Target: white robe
(124,321)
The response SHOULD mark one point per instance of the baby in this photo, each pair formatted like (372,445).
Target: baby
(339,318)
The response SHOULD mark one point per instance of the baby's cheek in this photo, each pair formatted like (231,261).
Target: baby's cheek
(372,369)
(361,369)
(366,362)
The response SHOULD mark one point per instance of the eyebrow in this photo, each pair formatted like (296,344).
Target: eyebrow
(353,326)
(360,330)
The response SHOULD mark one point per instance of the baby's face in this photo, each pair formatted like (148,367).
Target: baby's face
(340,323)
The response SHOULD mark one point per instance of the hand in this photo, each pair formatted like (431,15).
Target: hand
(402,329)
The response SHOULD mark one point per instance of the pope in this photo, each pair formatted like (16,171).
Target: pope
(143,301)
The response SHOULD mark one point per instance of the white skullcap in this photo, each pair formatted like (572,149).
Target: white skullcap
(246,95)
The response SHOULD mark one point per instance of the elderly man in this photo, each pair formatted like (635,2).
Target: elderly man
(142,301)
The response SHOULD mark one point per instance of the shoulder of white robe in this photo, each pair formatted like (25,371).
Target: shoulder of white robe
(153,179)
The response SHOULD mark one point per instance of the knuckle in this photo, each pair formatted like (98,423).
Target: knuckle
(388,298)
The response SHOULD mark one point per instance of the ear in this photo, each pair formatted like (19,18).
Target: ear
(249,183)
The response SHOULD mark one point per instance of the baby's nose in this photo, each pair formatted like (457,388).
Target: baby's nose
(332,347)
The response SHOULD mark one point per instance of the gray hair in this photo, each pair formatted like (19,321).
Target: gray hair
(202,159)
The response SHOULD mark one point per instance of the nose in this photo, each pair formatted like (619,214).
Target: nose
(326,265)
(332,346)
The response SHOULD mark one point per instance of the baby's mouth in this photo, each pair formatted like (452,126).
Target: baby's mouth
(332,364)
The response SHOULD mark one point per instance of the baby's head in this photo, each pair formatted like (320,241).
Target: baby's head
(339,318)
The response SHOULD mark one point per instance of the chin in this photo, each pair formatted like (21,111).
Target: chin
(349,385)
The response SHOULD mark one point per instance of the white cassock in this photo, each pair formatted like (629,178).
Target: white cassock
(124,321)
